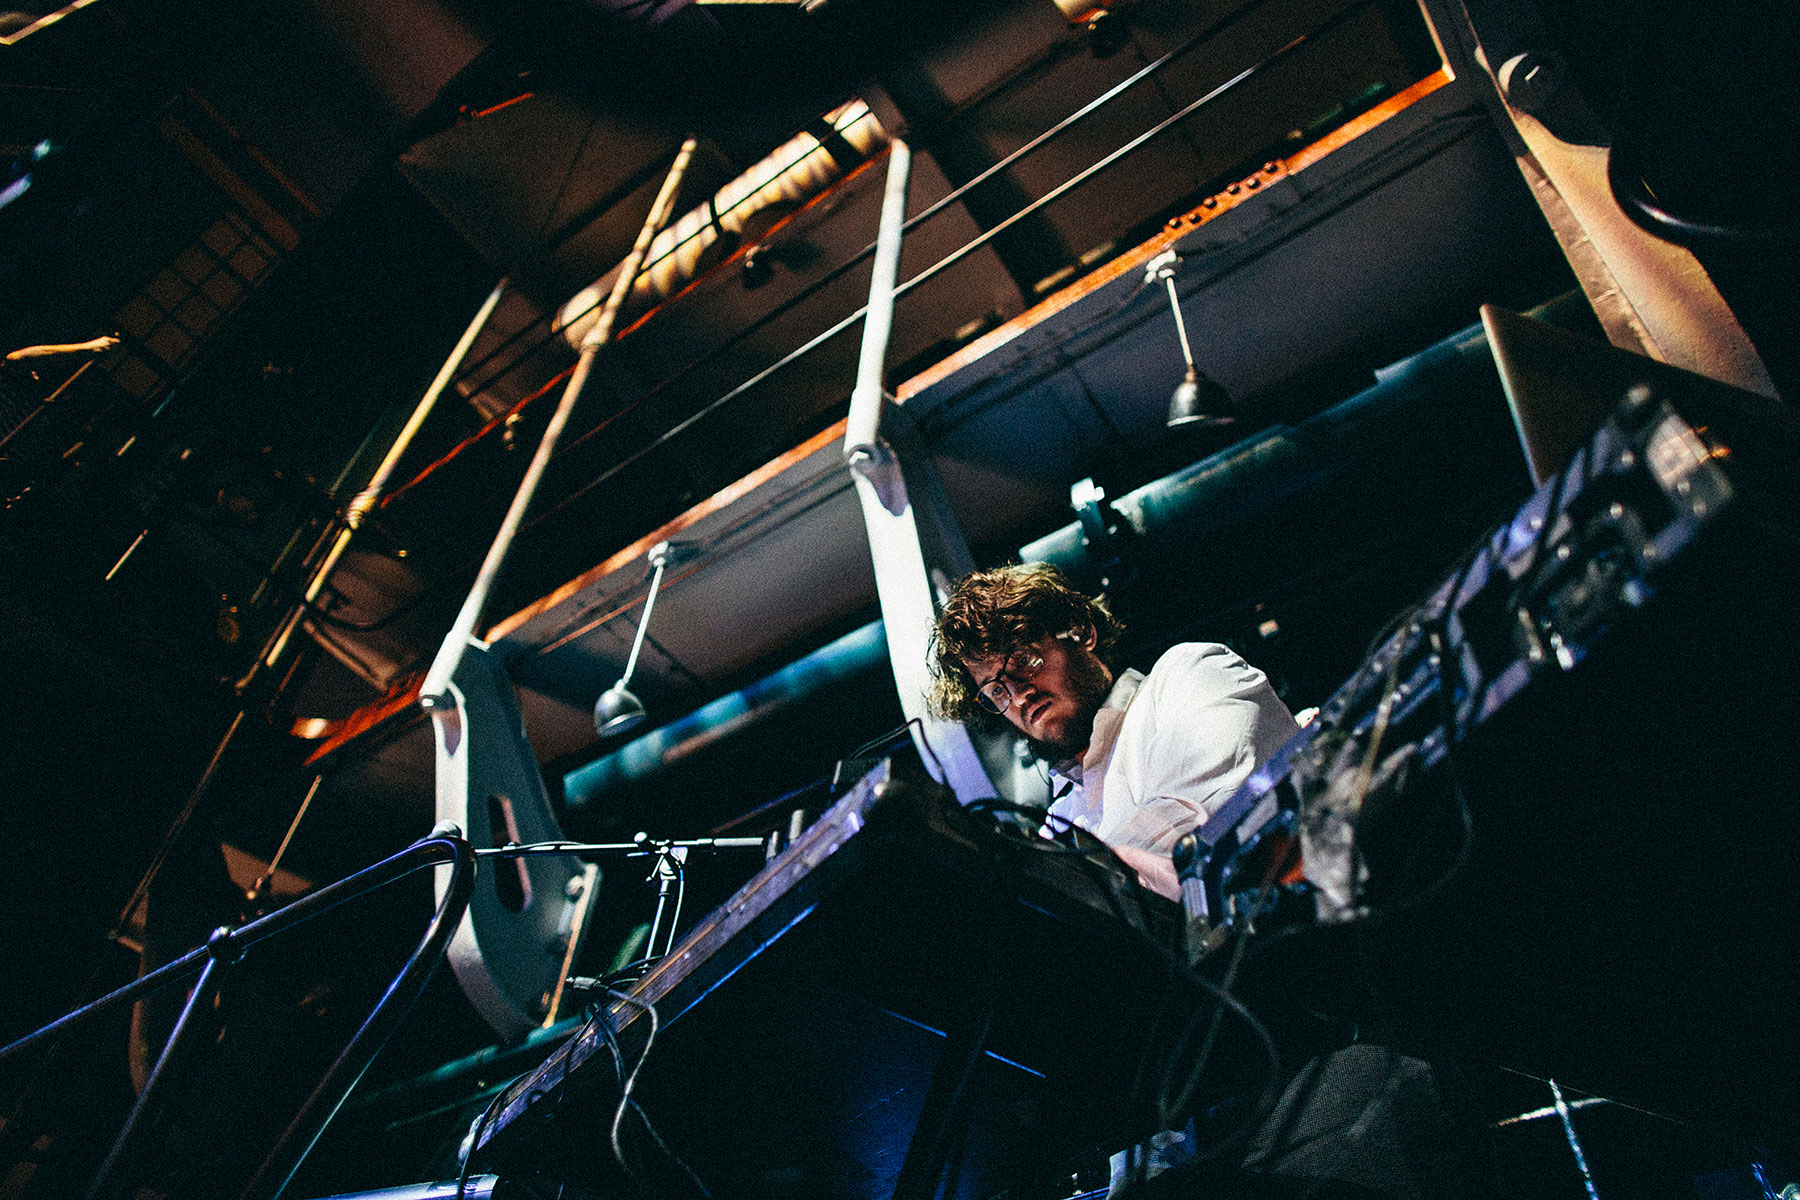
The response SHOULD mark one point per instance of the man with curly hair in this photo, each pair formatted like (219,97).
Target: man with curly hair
(1137,760)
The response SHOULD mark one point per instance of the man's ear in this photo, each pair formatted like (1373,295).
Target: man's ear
(1085,636)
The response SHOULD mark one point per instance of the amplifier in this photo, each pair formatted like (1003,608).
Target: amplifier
(1554,808)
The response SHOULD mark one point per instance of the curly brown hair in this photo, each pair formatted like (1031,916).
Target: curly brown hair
(995,612)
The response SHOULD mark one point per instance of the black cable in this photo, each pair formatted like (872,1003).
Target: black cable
(630,1080)
(881,741)
(667,1152)
(629,971)
(1443,646)
(1097,859)
(487,1114)
(1113,433)
(611,1037)
(1178,969)
(1271,1089)
(680,896)
(1055,844)
(681,668)
(561,1087)
(1384,711)
(1168,1109)
(1467,561)
(946,419)
(1446,649)
(1465,815)
(625,1100)
(926,743)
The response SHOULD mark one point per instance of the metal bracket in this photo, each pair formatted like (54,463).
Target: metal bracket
(1104,535)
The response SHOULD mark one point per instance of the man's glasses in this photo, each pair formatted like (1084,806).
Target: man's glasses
(1021,668)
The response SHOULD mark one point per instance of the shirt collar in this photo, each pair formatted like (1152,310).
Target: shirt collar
(1107,720)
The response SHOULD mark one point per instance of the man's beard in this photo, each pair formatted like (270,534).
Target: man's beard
(1089,683)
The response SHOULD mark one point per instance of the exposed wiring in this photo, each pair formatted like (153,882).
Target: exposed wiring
(1270,1093)
(881,741)
(1095,858)
(611,1037)
(925,742)
(1056,835)
(1061,830)
(946,419)
(681,668)
(480,1127)
(1170,1110)
(1447,651)
(680,895)
(594,1012)
(627,972)
(1465,815)
(567,176)
(1113,433)
(1384,711)
(626,1102)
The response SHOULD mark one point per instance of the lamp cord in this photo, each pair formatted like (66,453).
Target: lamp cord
(637,643)
(1180,325)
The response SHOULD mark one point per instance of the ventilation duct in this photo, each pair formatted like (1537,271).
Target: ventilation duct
(742,210)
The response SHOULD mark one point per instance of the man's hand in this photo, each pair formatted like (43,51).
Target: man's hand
(98,345)
(1155,871)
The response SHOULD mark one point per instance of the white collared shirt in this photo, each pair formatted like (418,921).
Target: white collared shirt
(1171,747)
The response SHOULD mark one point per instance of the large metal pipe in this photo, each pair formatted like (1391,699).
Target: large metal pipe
(860,652)
(795,172)
(1252,477)
(1228,487)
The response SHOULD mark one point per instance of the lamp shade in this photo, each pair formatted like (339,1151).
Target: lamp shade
(617,710)
(1199,400)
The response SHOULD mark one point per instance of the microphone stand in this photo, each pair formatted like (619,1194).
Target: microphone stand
(669,860)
